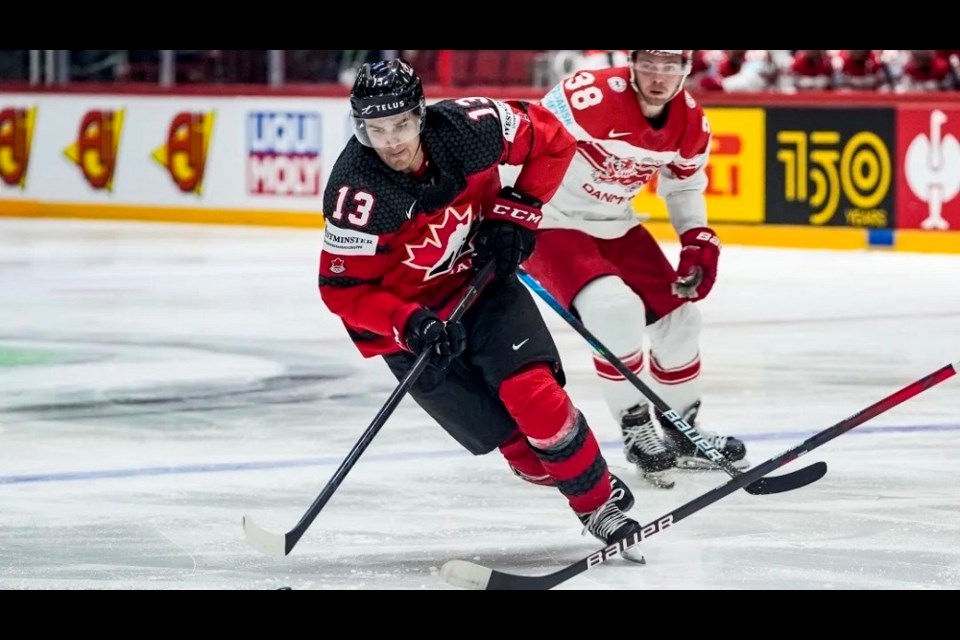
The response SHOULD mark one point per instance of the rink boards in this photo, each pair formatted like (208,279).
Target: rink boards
(787,175)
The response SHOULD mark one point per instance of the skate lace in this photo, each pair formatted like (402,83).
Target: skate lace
(645,436)
(616,493)
(605,521)
(712,438)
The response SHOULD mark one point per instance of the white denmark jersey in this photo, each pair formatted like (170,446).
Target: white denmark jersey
(619,151)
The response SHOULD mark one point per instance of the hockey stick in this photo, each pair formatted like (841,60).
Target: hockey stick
(279,545)
(461,573)
(762,486)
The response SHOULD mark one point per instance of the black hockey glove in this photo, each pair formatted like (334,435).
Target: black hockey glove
(425,330)
(506,235)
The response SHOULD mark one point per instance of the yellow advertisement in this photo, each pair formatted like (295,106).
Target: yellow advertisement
(736,170)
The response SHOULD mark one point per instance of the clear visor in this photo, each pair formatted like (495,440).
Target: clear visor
(391,131)
(656,67)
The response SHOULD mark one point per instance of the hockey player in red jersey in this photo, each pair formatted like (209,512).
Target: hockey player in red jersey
(595,257)
(413,206)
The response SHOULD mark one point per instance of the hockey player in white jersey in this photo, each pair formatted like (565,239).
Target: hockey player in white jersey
(596,258)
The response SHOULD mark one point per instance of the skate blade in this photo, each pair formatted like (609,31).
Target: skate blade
(634,555)
(696,463)
(660,479)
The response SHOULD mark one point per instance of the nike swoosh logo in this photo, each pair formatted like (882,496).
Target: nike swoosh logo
(618,134)
(517,347)
(410,210)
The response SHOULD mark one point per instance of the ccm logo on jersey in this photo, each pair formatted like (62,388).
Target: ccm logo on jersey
(528,217)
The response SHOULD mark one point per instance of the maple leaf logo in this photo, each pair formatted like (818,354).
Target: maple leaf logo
(445,245)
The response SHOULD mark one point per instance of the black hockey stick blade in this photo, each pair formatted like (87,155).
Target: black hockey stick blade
(789,481)
(470,575)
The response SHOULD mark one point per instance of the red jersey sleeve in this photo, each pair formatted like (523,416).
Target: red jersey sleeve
(351,272)
(542,145)
(693,131)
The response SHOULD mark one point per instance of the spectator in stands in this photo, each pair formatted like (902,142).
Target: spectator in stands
(861,70)
(604,58)
(734,70)
(924,72)
(700,67)
(811,70)
(952,56)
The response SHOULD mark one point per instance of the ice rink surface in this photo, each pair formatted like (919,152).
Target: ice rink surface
(158,382)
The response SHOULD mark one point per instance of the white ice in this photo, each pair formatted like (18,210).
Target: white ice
(161,381)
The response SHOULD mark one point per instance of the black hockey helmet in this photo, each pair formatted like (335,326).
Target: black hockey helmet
(381,91)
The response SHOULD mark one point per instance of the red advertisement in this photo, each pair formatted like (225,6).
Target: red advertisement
(16,133)
(96,146)
(184,155)
(929,182)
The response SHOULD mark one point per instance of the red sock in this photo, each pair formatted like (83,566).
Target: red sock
(524,461)
(559,435)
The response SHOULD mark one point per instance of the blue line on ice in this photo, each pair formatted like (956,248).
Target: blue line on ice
(797,436)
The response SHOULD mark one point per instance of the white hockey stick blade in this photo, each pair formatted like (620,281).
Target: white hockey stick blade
(271,544)
(466,575)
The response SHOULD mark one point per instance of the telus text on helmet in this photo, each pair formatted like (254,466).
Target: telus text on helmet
(390,106)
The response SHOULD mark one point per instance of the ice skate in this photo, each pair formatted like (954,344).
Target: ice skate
(643,447)
(689,456)
(608,524)
(620,494)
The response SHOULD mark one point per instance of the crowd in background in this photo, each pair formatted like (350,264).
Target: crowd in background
(734,70)
(729,70)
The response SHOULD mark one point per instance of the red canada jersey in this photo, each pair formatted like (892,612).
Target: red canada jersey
(395,242)
(619,150)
